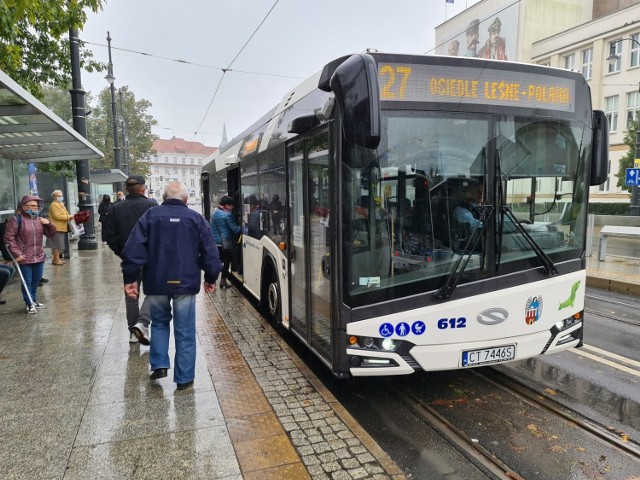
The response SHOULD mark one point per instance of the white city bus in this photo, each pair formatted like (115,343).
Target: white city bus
(354,187)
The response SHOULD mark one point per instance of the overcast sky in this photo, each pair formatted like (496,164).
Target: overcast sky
(296,40)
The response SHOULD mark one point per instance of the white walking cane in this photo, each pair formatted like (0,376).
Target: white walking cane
(24,284)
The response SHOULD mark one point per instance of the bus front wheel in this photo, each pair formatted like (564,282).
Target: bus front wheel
(271,298)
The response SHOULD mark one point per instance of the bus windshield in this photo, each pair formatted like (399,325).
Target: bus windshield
(415,204)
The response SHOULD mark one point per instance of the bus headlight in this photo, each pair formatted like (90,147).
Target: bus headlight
(568,322)
(367,342)
(388,344)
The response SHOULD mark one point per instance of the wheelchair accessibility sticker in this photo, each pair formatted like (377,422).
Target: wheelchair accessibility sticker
(402,329)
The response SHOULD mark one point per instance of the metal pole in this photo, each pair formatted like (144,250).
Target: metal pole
(114,113)
(125,137)
(88,240)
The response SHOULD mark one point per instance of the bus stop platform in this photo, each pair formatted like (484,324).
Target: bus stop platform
(616,273)
(76,401)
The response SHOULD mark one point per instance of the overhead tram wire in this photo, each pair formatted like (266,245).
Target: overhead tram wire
(186,62)
(225,70)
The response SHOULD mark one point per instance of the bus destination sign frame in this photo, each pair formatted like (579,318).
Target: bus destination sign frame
(437,83)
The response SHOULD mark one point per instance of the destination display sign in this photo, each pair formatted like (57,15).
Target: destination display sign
(437,83)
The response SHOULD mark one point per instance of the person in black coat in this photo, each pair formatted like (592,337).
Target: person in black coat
(103,211)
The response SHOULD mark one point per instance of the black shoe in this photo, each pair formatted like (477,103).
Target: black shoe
(44,280)
(158,373)
(184,386)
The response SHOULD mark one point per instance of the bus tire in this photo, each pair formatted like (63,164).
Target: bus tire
(271,299)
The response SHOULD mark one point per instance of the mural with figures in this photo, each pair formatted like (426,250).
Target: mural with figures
(493,36)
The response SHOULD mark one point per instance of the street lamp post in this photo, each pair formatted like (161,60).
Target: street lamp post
(634,205)
(116,145)
(88,240)
(125,136)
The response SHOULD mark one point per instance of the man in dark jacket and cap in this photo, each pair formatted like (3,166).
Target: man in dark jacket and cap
(117,227)
(171,244)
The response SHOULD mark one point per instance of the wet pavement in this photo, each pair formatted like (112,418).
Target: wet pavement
(76,401)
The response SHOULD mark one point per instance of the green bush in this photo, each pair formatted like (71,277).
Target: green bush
(609,208)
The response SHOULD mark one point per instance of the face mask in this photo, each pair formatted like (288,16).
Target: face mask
(60,199)
(33,213)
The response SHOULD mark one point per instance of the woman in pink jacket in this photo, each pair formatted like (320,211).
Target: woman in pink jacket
(23,236)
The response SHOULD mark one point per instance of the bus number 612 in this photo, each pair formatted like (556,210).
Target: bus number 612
(445,323)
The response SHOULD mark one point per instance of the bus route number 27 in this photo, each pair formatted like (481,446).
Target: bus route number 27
(395,84)
(445,323)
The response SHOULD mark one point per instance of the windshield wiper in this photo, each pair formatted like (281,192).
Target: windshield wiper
(547,263)
(486,212)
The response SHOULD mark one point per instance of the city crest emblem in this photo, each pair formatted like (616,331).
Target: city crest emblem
(533,310)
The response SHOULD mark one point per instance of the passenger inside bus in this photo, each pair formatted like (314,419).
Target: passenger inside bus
(253,221)
(277,215)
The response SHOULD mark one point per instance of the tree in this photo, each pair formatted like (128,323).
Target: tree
(132,114)
(58,100)
(100,129)
(627,160)
(32,49)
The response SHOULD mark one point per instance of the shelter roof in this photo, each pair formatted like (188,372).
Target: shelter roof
(30,132)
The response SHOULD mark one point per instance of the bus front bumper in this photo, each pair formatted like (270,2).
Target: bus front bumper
(450,356)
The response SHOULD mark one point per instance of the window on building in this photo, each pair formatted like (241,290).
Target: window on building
(192,171)
(193,182)
(184,171)
(192,161)
(611,111)
(175,169)
(633,107)
(175,159)
(199,161)
(167,169)
(587,63)
(166,159)
(569,62)
(615,49)
(184,160)
(634,61)
(156,170)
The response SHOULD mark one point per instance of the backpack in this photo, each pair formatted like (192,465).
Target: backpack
(3,245)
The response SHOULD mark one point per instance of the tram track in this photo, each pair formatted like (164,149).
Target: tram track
(482,457)
(616,316)
(602,433)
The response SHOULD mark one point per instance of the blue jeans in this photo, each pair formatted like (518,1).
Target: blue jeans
(6,272)
(184,329)
(32,274)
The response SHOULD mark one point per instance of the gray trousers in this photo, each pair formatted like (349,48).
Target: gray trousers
(135,313)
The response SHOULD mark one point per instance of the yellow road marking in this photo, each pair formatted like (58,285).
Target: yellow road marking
(581,352)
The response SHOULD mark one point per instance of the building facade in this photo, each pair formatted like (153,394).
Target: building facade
(600,39)
(179,160)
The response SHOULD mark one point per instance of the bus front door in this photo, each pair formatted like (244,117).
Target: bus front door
(309,187)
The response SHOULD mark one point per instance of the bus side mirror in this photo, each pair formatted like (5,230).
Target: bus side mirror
(355,85)
(600,149)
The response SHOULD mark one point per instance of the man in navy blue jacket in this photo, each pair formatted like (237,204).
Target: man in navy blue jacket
(173,243)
